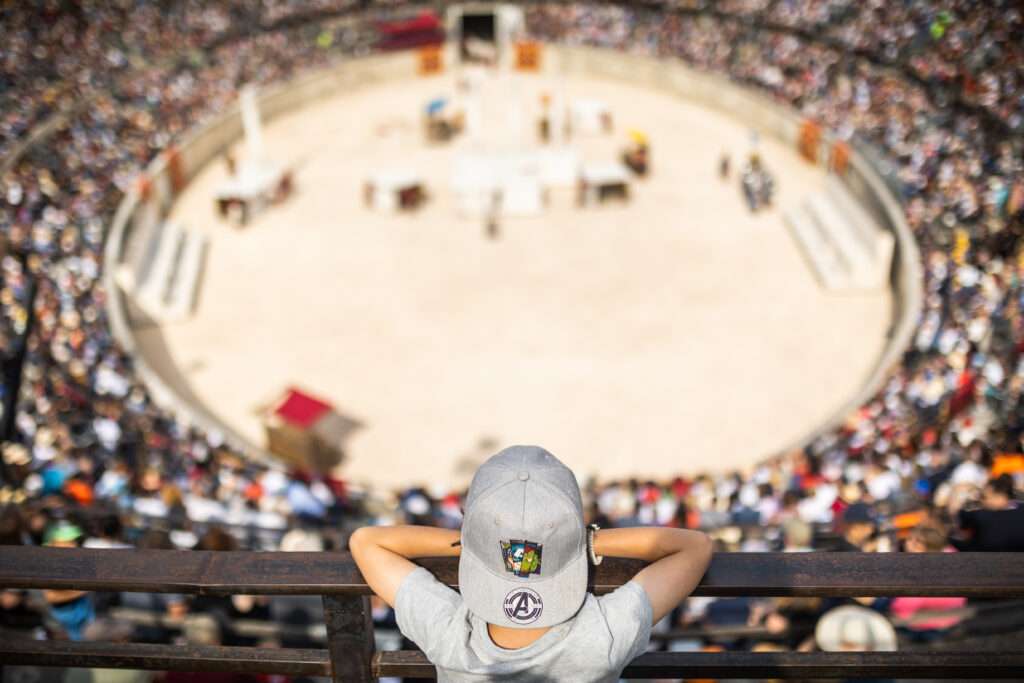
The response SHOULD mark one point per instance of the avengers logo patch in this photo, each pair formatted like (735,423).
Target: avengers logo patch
(522,558)
(523,606)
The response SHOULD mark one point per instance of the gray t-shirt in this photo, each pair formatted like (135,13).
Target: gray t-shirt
(592,647)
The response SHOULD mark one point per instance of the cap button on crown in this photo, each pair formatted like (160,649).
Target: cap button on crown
(523,475)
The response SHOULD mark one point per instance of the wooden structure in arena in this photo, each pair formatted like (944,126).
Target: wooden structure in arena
(306,432)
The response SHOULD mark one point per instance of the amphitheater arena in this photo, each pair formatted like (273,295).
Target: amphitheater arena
(270,272)
(675,332)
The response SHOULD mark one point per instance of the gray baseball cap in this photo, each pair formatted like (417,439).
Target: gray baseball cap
(524,545)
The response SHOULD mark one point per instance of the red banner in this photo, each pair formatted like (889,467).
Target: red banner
(431,60)
(175,169)
(810,138)
(528,56)
(840,158)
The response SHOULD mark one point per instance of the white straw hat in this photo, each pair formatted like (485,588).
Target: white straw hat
(851,628)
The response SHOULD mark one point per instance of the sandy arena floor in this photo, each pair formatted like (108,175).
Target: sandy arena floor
(677,333)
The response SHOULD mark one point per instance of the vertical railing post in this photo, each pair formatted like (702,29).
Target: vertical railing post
(349,637)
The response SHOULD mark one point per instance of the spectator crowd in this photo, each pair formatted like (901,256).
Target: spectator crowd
(933,462)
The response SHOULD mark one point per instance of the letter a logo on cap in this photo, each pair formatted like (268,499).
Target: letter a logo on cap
(523,606)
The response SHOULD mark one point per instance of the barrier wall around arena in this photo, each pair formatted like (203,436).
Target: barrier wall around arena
(712,91)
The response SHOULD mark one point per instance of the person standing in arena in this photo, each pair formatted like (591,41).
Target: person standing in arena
(524,613)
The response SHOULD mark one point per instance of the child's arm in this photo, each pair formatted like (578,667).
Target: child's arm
(678,560)
(380,553)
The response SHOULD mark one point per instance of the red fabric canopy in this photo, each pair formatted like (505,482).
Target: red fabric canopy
(425,21)
(301,409)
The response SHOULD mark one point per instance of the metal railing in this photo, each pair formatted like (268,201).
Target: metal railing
(350,654)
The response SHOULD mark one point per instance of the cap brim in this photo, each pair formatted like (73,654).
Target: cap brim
(561,596)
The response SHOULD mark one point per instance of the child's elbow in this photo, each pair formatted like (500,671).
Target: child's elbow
(359,538)
(705,547)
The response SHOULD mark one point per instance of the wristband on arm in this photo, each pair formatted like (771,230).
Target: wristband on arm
(594,558)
